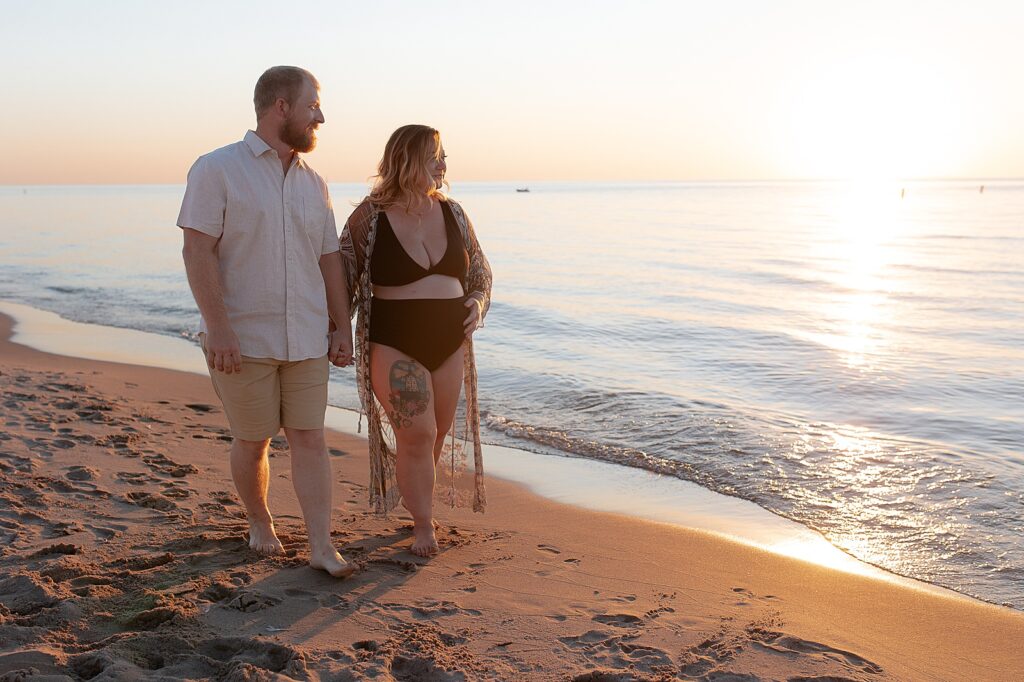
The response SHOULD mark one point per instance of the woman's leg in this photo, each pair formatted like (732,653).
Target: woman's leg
(404,387)
(447,382)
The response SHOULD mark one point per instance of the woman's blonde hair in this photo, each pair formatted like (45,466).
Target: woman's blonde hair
(402,171)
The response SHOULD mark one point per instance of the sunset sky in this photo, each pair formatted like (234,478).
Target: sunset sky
(132,92)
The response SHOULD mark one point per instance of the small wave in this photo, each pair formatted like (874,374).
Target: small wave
(956,271)
(887,519)
(563,443)
(972,237)
(67,289)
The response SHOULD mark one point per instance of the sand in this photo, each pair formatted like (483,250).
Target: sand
(122,556)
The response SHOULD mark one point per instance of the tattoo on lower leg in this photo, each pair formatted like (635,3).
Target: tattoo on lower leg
(409,393)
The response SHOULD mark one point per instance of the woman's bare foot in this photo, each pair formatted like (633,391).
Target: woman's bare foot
(424,542)
(263,539)
(401,501)
(329,560)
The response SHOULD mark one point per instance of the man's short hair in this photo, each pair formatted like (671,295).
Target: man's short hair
(280,81)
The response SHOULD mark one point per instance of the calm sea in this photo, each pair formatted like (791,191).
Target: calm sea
(842,356)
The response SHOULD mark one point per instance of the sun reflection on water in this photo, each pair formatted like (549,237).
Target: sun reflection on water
(859,461)
(862,240)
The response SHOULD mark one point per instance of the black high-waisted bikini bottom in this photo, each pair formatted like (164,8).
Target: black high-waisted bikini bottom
(428,330)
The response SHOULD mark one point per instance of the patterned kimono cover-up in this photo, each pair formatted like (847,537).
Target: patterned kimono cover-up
(458,484)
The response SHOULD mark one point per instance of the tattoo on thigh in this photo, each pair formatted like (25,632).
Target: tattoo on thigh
(409,393)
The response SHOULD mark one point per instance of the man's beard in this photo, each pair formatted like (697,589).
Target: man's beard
(298,138)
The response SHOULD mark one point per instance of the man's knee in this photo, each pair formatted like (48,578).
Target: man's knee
(305,439)
(250,448)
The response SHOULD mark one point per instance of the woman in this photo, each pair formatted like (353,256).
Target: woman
(421,286)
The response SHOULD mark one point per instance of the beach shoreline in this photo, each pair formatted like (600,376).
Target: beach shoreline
(577,481)
(124,559)
(890,435)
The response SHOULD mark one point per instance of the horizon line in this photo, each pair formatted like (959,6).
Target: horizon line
(717,181)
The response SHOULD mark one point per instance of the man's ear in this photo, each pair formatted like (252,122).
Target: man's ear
(282,107)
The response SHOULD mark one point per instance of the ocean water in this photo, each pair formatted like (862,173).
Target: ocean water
(842,356)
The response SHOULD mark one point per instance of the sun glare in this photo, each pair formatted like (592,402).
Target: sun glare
(876,118)
(867,227)
(862,232)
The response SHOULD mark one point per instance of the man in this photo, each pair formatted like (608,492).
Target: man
(261,253)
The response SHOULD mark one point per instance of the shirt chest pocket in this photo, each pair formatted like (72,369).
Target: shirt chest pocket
(313,218)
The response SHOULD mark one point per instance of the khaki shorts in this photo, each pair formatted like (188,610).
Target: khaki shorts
(269,394)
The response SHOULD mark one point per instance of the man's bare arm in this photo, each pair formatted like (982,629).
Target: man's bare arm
(333,272)
(203,270)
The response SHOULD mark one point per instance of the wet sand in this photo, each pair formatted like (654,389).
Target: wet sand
(122,556)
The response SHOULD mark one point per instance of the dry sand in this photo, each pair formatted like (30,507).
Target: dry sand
(122,557)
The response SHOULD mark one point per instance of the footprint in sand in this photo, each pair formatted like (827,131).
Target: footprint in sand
(788,645)
(218,591)
(85,580)
(749,597)
(176,492)
(61,486)
(549,549)
(26,594)
(121,442)
(655,613)
(241,577)
(429,609)
(55,387)
(135,478)
(164,465)
(143,562)
(59,548)
(620,620)
(215,508)
(408,566)
(151,501)
(67,567)
(104,532)
(252,600)
(223,497)
(619,651)
(82,473)
(23,464)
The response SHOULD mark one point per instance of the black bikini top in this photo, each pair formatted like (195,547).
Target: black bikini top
(392,266)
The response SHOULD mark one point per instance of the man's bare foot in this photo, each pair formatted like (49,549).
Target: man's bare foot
(263,539)
(329,560)
(424,542)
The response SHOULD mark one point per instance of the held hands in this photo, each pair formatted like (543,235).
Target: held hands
(222,350)
(340,352)
(475,316)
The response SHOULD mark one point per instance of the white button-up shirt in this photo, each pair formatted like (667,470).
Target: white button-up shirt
(273,227)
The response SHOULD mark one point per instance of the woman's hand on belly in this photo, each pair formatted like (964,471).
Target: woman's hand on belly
(431,286)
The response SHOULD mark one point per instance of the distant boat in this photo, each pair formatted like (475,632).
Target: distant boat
(522,189)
